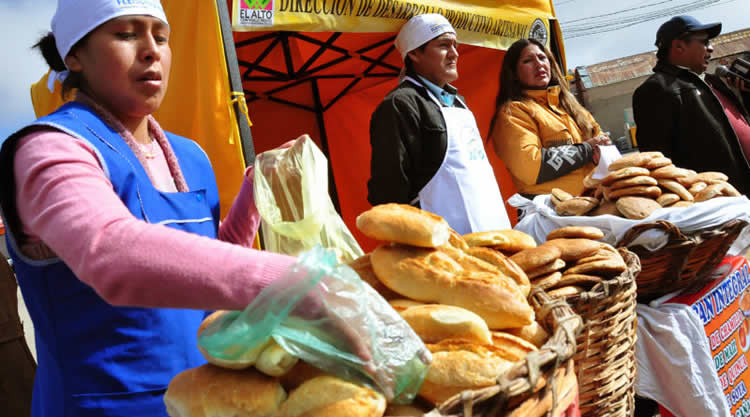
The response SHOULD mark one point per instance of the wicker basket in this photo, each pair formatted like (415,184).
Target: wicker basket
(685,262)
(605,356)
(525,390)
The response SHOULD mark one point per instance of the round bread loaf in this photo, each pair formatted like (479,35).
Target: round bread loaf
(531,259)
(560,194)
(436,322)
(576,206)
(547,281)
(631,160)
(676,188)
(300,373)
(328,396)
(246,360)
(458,366)
(563,292)
(730,191)
(573,249)
(606,207)
(585,232)
(711,176)
(643,180)
(432,276)
(208,391)
(636,208)
(667,199)
(649,191)
(508,240)
(682,204)
(402,223)
(624,173)
(547,269)
(669,171)
(696,187)
(657,162)
(711,191)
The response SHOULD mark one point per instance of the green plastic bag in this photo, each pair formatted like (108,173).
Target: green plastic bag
(291,194)
(315,312)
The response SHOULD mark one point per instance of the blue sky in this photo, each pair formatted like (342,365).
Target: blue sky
(23,22)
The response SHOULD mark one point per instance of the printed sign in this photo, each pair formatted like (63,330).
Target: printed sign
(255,12)
(475,22)
(724,309)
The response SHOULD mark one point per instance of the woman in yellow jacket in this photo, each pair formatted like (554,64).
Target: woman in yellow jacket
(545,138)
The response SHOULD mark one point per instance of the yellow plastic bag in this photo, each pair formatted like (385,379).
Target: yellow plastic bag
(291,193)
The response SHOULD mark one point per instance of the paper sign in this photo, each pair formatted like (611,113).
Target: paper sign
(608,154)
(724,308)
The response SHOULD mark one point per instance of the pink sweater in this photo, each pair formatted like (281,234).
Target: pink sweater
(65,200)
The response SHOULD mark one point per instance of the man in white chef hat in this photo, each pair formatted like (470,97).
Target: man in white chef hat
(426,147)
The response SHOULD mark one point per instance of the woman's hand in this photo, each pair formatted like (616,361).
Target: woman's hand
(596,142)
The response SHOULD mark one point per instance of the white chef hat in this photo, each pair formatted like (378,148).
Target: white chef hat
(74,19)
(421,29)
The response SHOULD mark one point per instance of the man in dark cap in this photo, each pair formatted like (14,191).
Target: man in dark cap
(689,115)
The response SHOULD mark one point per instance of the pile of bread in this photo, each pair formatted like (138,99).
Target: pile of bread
(571,261)
(640,183)
(465,296)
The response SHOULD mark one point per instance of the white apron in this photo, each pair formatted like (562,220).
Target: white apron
(464,190)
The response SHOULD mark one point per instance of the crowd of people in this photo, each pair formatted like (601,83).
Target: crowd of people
(113,223)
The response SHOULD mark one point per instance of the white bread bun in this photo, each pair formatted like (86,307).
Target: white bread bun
(245,361)
(431,276)
(274,360)
(209,391)
(402,223)
(458,365)
(327,396)
(436,322)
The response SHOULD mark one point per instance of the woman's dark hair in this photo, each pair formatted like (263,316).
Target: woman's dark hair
(512,90)
(48,48)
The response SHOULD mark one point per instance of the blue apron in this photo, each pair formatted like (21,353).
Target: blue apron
(95,359)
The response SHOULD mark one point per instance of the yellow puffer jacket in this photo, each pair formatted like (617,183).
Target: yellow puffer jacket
(520,135)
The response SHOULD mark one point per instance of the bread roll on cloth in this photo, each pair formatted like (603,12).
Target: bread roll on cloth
(209,391)
(432,276)
(327,396)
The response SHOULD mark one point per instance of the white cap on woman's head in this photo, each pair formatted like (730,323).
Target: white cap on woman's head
(421,29)
(74,19)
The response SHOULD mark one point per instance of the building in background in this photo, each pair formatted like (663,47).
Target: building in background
(606,89)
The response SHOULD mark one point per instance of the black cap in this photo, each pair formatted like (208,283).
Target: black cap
(679,25)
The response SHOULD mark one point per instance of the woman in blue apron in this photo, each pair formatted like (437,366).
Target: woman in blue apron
(113,224)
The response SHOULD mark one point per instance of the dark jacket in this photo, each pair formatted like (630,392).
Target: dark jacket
(408,140)
(678,114)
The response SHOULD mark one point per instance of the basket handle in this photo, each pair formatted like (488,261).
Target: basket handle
(635,231)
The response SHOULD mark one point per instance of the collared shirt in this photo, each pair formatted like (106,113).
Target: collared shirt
(446,95)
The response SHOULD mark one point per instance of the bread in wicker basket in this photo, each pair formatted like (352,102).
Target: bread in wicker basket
(685,262)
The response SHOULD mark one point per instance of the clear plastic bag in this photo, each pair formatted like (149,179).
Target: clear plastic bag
(291,193)
(323,313)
